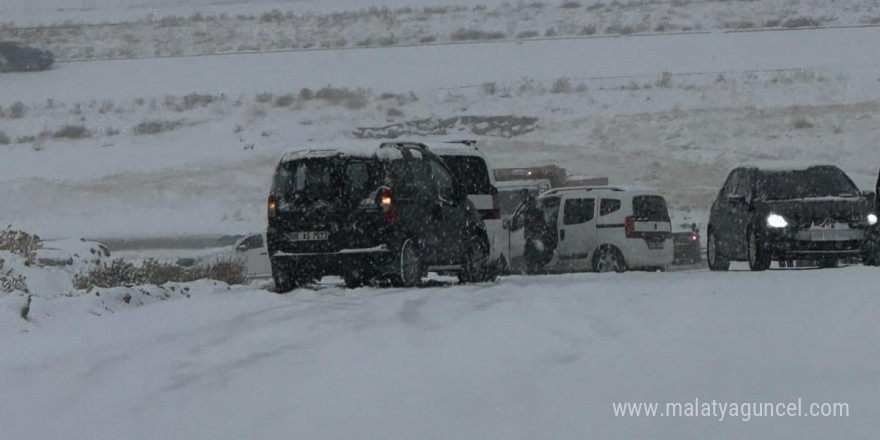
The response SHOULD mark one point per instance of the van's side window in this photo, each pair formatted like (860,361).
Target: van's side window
(578,211)
(607,206)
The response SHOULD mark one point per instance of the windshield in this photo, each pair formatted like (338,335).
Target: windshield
(471,173)
(804,184)
(326,179)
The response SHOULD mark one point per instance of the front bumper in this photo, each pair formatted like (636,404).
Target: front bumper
(808,243)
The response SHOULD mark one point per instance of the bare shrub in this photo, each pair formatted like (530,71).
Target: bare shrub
(264,97)
(154,127)
(4,138)
(306,94)
(272,16)
(618,29)
(489,88)
(665,80)
(801,122)
(17,110)
(427,39)
(110,131)
(771,23)
(570,5)
(72,132)
(797,22)
(172,21)
(19,242)
(562,86)
(194,100)
(394,113)
(527,34)
(550,32)
(285,100)
(475,34)
(11,282)
(588,30)
(120,273)
(352,99)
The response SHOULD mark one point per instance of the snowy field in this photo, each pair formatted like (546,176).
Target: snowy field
(536,357)
(186,146)
(163,148)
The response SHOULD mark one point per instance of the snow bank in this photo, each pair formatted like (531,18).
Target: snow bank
(530,357)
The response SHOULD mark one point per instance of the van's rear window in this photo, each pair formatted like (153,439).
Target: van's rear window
(327,179)
(650,208)
(471,173)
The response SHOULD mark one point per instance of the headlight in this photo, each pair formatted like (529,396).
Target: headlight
(872,219)
(776,221)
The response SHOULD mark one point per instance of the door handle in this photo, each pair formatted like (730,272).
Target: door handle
(562,235)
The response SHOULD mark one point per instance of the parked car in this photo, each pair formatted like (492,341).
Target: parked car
(601,229)
(15,57)
(687,245)
(471,168)
(814,213)
(69,252)
(872,251)
(250,250)
(381,214)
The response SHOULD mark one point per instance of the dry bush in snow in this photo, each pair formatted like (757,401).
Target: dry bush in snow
(71,132)
(121,273)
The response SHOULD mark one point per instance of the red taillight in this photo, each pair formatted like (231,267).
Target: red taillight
(386,201)
(496,203)
(630,225)
(272,207)
(695,237)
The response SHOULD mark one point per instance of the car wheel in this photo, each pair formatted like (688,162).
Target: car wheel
(408,272)
(609,259)
(476,268)
(717,260)
(759,255)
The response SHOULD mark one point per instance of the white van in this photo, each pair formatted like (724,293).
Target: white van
(602,229)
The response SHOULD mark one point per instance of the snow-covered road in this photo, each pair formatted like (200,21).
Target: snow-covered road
(441,66)
(526,358)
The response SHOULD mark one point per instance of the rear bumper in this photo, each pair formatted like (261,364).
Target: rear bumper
(378,259)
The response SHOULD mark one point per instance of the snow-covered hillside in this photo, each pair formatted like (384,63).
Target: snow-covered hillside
(186,146)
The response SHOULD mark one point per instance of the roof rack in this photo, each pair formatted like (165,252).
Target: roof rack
(581,188)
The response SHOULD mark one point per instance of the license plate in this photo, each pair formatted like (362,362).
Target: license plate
(309,236)
(831,235)
(656,244)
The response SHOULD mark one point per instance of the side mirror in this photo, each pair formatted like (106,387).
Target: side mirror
(505,223)
(736,198)
(870,195)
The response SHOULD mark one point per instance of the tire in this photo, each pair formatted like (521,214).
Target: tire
(759,255)
(717,261)
(608,259)
(476,268)
(408,266)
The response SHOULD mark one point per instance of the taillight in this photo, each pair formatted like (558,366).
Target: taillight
(387,204)
(272,207)
(695,237)
(496,203)
(630,225)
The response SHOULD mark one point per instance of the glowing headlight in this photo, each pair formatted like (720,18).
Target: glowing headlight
(776,221)
(872,219)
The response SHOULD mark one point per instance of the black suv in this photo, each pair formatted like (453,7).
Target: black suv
(815,213)
(17,58)
(381,215)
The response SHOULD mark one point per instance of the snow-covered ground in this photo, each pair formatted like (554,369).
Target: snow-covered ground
(528,357)
(186,146)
